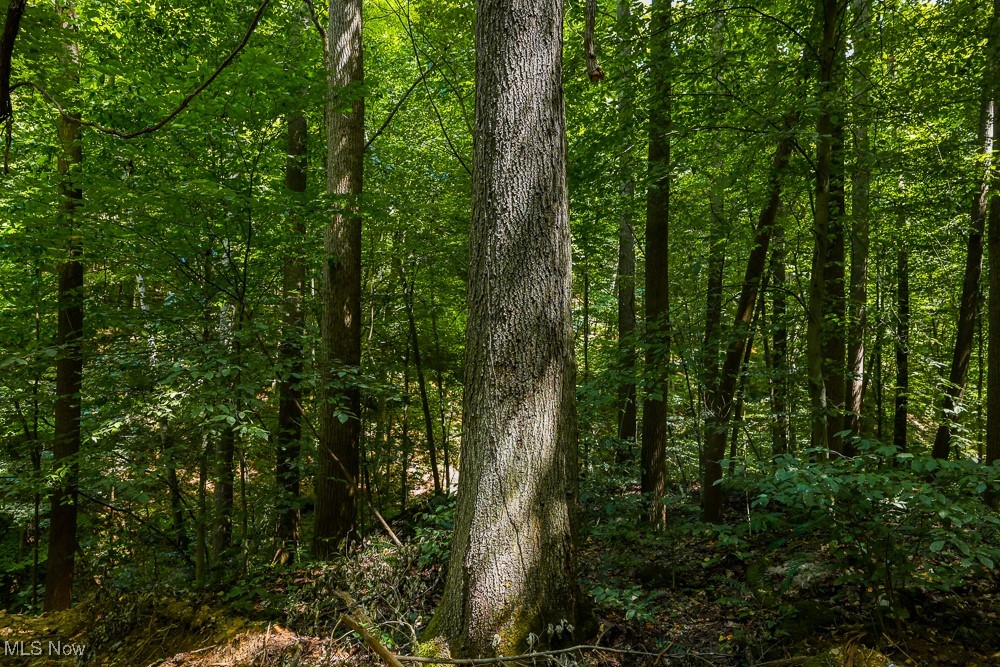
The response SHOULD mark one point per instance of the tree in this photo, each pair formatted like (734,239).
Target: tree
(511,569)
(338,458)
(657,271)
(69,364)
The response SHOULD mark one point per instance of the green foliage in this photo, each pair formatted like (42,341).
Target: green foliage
(889,520)
(432,533)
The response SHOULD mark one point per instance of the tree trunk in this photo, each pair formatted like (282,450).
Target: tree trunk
(512,569)
(902,347)
(11,26)
(860,215)
(779,351)
(337,470)
(993,307)
(824,227)
(970,284)
(720,397)
(657,272)
(290,354)
(626,244)
(69,376)
(835,303)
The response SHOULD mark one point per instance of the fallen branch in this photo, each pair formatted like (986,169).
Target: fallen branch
(388,656)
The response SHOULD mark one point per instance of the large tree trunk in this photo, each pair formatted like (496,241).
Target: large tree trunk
(337,469)
(860,214)
(970,284)
(657,275)
(720,396)
(512,570)
(626,241)
(69,376)
(289,435)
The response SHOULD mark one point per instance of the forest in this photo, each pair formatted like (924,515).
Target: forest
(505,332)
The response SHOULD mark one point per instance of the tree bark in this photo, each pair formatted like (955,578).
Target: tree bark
(959,373)
(824,226)
(626,244)
(779,349)
(860,216)
(512,569)
(902,347)
(720,397)
(69,376)
(290,353)
(657,272)
(993,307)
(11,26)
(335,493)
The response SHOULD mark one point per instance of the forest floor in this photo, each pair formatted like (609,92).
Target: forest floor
(683,594)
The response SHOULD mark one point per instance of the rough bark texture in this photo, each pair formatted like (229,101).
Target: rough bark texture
(860,214)
(835,302)
(720,396)
(657,273)
(338,460)
(512,570)
(289,435)
(69,376)
(626,242)
(970,284)
(902,348)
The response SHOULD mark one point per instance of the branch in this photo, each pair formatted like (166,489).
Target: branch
(388,656)
(396,108)
(10,28)
(180,107)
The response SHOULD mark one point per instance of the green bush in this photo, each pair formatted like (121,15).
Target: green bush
(891,520)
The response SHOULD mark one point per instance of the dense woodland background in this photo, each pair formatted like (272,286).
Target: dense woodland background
(786,276)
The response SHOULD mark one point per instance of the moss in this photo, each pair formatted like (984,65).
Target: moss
(850,655)
(436,647)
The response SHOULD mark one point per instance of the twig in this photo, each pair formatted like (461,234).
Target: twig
(388,656)
(180,107)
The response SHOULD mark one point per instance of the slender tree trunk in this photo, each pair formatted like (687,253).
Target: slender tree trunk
(421,383)
(657,272)
(290,354)
(970,284)
(860,215)
(512,569)
(441,401)
(337,469)
(11,26)
(824,230)
(877,357)
(902,347)
(779,351)
(69,376)
(835,303)
(201,530)
(720,397)
(993,307)
(169,453)
(225,472)
(626,241)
